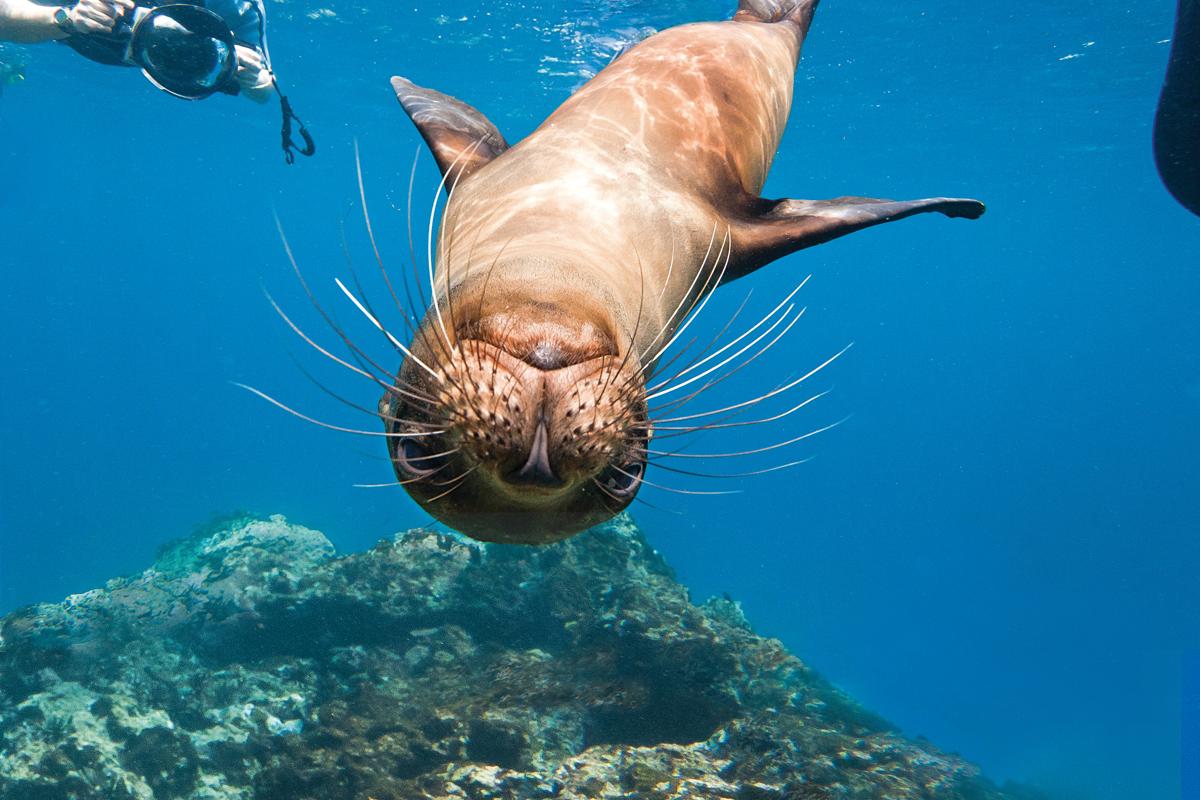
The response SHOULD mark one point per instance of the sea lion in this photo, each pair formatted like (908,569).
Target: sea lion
(566,263)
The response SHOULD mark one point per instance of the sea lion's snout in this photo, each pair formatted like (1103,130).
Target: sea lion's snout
(523,449)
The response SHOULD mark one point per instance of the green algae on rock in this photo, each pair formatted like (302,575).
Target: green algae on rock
(251,663)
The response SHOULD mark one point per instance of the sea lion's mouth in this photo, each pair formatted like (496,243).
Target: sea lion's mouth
(537,470)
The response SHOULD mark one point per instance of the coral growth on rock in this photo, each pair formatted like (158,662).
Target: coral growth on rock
(251,663)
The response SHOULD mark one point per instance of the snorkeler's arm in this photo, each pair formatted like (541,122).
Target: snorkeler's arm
(253,77)
(29,23)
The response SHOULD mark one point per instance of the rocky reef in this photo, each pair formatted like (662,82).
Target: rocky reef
(252,663)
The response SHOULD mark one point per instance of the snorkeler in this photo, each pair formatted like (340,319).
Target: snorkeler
(1177,123)
(190,50)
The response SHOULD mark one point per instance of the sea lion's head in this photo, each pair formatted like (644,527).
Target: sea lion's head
(519,420)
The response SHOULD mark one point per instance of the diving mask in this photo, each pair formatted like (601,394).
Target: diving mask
(185,50)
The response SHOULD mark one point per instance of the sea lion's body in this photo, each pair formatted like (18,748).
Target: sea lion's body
(635,174)
(566,262)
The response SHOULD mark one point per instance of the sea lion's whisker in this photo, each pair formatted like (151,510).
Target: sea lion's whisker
(306,418)
(659,391)
(671,266)
(467,368)
(716,338)
(445,257)
(313,344)
(312,299)
(670,320)
(684,430)
(756,400)
(715,381)
(733,343)
(600,485)
(405,482)
(446,251)
(659,486)
(395,342)
(733,475)
(412,260)
(488,275)
(631,383)
(433,290)
(693,315)
(633,337)
(708,385)
(412,254)
(755,451)
(358,353)
(358,370)
(364,409)
(637,499)
(431,456)
(412,248)
(370,456)
(362,194)
(458,482)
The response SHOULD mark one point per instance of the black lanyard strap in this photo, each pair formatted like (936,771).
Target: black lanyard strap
(290,148)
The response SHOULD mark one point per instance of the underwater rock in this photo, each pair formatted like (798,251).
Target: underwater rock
(251,663)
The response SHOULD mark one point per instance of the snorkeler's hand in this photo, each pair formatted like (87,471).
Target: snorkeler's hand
(252,74)
(97,16)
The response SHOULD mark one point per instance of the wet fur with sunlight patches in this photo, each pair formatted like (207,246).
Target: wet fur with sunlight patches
(569,268)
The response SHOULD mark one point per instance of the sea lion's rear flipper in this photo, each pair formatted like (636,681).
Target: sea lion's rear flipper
(797,11)
(785,226)
(460,137)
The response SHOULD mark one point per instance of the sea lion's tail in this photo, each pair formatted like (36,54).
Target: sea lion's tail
(799,12)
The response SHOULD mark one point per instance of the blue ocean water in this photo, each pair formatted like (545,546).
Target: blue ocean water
(1191,726)
(997,550)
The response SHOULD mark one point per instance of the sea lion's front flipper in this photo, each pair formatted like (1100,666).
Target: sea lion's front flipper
(460,137)
(785,226)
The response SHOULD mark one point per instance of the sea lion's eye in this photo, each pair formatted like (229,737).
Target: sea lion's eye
(624,480)
(417,459)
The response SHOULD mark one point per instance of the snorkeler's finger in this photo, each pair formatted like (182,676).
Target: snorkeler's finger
(123,7)
(89,24)
(101,14)
(106,9)
(248,58)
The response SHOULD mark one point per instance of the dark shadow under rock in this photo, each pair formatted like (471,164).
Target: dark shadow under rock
(250,663)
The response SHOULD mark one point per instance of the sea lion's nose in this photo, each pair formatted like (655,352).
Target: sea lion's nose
(547,356)
(537,470)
